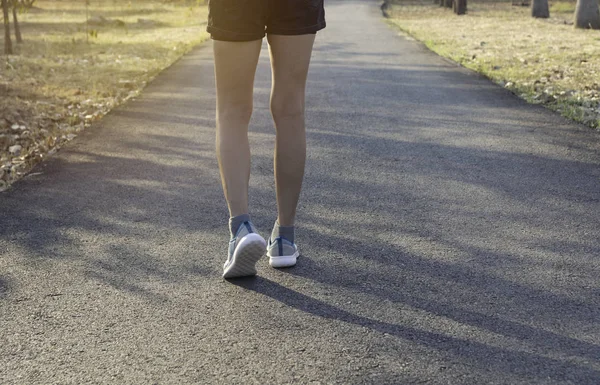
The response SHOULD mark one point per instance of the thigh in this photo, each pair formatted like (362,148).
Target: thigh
(235,67)
(237,20)
(290,60)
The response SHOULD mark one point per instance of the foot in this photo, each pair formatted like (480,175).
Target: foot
(282,253)
(245,249)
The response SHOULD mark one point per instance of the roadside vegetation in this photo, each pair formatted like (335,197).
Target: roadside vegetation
(544,60)
(68,73)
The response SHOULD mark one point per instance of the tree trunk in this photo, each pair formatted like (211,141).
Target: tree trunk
(16,23)
(539,8)
(448,3)
(385,6)
(7,42)
(587,14)
(459,7)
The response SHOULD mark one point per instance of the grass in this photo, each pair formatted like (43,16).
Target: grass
(65,76)
(544,61)
(565,8)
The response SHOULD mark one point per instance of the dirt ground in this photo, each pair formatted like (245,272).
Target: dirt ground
(68,73)
(545,61)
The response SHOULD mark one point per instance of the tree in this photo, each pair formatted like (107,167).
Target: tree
(459,7)
(385,6)
(539,9)
(15,7)
(587,14)
(7,42)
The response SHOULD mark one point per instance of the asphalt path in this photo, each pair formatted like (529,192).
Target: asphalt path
(450,234)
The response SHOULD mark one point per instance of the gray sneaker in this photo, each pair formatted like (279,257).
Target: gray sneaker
(282,253)
(245,249)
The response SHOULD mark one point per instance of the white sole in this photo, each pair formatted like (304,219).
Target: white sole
(248,251)
(284,261)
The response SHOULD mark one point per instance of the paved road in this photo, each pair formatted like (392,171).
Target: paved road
(450,235)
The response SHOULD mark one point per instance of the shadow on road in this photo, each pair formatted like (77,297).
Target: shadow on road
(477,353)
(4,287)
(428,190)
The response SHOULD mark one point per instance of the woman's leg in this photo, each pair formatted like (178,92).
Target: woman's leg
(290,59)
(235,66)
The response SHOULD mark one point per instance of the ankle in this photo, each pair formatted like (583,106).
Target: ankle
(236,222)
(287,232)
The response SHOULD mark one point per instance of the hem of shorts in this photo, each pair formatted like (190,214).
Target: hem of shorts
(224,35)
(300,31)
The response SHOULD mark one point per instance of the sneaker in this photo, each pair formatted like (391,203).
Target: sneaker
(245,249)
(282,253)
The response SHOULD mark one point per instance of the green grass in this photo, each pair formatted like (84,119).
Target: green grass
(58,46)
(563,7)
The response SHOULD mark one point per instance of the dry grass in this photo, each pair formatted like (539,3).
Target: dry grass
(62,78)
(543,61)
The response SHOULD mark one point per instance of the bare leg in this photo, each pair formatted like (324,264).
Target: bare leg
(290,59)
(235,67)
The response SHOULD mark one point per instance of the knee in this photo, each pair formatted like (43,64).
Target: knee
(284,108)
(235,112)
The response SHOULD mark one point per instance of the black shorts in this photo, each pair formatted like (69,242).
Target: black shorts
(246,20)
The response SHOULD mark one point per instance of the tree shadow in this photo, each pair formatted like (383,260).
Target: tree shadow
(139,173)
(425,189)
(531,365)
(5,287)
